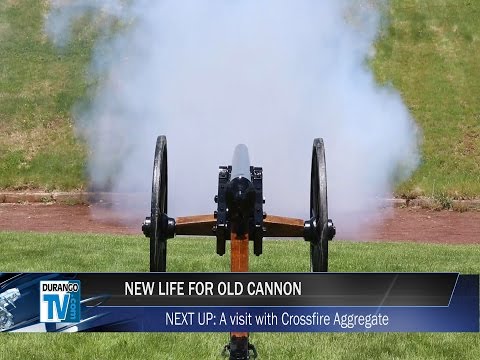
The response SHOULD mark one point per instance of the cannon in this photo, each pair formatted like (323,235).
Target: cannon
(240,219)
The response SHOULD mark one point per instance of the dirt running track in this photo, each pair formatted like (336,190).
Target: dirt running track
(400,224)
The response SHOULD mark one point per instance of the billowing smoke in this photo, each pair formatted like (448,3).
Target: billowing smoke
(272,74)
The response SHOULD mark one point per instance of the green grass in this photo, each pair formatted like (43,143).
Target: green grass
(429,51)
(38,87)
(68,252)
(89,252)
(270,346)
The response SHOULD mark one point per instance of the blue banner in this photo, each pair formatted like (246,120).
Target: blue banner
(43,302)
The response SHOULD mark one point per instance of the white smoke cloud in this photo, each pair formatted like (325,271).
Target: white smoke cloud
(271,74)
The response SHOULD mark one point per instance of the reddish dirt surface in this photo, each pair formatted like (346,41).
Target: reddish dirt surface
(400,224)
(62,218)
(420,225)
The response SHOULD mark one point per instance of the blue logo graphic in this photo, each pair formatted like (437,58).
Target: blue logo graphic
(60,301)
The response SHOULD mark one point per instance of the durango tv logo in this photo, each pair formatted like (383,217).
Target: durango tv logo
(60,301)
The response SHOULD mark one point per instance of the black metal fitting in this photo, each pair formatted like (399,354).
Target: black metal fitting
(310,230)
(239,349)
(311,233)
(331,230)
(258,228)
(221,229)
(146,226)
(240,201)
(166,227)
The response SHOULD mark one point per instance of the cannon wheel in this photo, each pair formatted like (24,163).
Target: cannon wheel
(319,208)
(158,239)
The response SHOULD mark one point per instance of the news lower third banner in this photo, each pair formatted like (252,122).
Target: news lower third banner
(254,302)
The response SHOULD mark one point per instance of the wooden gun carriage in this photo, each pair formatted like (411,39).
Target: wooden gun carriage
(240,219)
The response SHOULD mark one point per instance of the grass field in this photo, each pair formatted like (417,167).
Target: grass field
(430,52)
(38,87)
(103,253)
(67,252)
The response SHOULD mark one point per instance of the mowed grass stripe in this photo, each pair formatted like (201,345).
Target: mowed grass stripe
(188,346)
(64,252)
(82,252)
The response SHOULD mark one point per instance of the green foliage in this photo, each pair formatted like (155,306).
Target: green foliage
(430,51)
(443,201)
(38,86)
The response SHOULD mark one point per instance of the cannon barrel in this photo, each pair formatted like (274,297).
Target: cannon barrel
(239,201)
(240,162)
(240,192)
